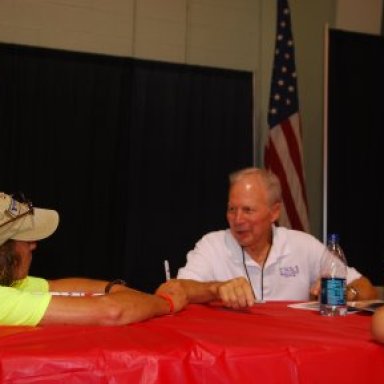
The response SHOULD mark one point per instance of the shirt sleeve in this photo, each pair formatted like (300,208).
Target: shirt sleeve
(199,262)
(194,269)
(352,274)
(32,284)
(24,304)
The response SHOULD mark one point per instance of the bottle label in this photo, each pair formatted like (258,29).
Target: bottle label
(333,291)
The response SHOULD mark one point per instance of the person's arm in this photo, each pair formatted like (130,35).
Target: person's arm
(234,293)
(75,284)
(361,289)
(117,308)
(377,325)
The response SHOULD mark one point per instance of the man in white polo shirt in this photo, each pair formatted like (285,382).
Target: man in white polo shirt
(255,259)
(27,300)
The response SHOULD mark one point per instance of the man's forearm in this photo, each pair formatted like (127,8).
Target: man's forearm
(82,285)
(200,292)
(115,309)
(234,293)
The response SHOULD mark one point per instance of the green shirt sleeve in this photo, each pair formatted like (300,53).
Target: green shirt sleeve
(24,303)
(32,284)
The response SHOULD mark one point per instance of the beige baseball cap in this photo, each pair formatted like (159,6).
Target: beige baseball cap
(21,221)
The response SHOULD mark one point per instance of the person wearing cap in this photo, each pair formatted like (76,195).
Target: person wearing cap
(254,259)
(28,300)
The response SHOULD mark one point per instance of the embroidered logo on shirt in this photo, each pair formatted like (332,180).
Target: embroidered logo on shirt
(289,271)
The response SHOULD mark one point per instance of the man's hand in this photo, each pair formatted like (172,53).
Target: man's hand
(315,290)
(236,293)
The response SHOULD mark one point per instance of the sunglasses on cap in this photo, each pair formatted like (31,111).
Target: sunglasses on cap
(17,198)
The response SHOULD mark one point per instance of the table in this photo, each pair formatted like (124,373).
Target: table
(270,343)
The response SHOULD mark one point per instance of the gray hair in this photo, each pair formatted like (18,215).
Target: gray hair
(269,179)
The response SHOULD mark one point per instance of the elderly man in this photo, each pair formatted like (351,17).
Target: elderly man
(255,259)
(27,300)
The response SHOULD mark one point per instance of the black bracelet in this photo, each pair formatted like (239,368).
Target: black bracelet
(109,286)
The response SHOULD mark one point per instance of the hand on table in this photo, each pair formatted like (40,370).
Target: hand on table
(236,293)
(315,290)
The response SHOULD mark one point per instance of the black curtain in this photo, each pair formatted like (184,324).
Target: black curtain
(355,145)
(133,154)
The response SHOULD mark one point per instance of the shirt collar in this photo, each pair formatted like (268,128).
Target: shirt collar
(280,247)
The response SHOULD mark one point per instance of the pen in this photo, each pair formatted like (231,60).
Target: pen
(167,272)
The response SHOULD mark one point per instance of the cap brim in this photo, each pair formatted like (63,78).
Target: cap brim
(40,225)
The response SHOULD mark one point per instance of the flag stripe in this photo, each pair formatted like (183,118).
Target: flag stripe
(282,164)
(293,148)
(298,204)
(291,130)
(276,165)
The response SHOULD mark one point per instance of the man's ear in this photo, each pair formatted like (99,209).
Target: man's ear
(275,212)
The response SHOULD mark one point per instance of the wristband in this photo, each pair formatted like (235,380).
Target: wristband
(109,286)
(169,300)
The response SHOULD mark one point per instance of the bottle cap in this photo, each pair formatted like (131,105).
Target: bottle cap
(333,238)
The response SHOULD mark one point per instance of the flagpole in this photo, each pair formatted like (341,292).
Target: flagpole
(325,132)
(255,125)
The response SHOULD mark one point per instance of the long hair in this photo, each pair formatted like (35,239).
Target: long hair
(9,262)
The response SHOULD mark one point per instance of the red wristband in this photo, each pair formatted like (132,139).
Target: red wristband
(169,300)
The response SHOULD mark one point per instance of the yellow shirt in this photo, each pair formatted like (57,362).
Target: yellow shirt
(25,302)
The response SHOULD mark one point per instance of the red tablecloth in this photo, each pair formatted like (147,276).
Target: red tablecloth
(202,344)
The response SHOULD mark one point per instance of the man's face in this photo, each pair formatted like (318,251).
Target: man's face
(24,249)
(249,213)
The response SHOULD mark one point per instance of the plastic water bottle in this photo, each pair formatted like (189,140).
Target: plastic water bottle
(333,294)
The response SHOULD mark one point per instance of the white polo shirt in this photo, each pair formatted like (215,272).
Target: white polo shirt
(292,266)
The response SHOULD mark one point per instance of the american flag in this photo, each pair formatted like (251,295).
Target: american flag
(283,152)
